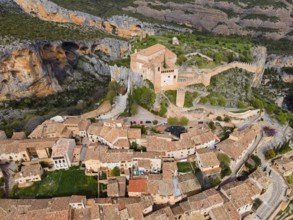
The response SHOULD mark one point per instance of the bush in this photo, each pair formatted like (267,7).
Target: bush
(270,154)
(204,100)
(256,159)
(225,169)
(227,119)
(212,125)
(269,131)
(115,171)
(184,121)
(222,102)
(241,105)
(282,117)
(219,118)
(173,121)
(223,158)
(290,179)
(189,98)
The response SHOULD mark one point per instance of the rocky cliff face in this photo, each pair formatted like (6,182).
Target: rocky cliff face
(279,62)
(41,68)
(122,25)
(224,17)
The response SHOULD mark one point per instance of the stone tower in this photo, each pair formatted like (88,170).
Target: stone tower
(180,97)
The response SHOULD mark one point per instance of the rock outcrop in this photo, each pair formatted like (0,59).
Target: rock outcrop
(123,26)
(40,68)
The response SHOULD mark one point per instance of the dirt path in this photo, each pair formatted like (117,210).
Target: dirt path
(102,109)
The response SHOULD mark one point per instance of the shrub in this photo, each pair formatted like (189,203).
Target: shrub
(212,125)
(241,105)
(184,121)
(219,118)
(204,100)
(173,121)
(270,154)
(227,119)
(115,171)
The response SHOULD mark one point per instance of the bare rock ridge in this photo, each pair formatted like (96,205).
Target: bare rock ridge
(122,26)
(39,68)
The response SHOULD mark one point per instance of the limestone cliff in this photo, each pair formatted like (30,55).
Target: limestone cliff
(40,68)
(121,25)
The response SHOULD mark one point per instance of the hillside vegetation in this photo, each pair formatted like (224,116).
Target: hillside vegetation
(16,25)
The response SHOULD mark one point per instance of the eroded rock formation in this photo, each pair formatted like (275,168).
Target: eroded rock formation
(123,26)
(40,68)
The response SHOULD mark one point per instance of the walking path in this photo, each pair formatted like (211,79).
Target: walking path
(119,106)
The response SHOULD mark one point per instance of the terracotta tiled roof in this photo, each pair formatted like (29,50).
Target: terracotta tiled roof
(241,193)
(234,147)
(134,133)
(161,214)
(151,50)
(225,212)
(205,200)
(30,170)
(208,158)
(188,183)
(18,136)
(138,185)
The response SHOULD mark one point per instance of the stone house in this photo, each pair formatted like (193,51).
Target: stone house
(207,161)
(28,175)
(239,142)
(62,153)
(241,194)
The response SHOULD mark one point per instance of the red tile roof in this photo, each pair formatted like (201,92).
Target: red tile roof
(138,185)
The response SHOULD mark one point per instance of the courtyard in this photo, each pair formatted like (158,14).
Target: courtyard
(60,183)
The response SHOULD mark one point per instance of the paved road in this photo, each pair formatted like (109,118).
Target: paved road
(276,193)
(145,115)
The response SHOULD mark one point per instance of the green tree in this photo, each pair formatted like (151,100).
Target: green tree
(144,97)
(184,121)
(219,118)
(225,169)
(212,125)
(219,57)
(241,105)
(282,117)
(110,96)
(173,121)
(270,108)
(227,119)
(134,108)
(257,103)
(222,102)
(213,101)
(270,154)
(115,171)
(204,100)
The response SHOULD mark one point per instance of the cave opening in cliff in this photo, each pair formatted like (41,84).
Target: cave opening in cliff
(70,46)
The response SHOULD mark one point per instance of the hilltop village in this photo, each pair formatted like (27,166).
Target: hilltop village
(146,153)
(144,168)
